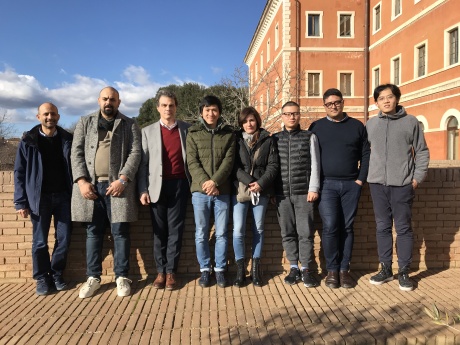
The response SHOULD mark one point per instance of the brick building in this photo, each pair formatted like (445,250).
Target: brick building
(303,47)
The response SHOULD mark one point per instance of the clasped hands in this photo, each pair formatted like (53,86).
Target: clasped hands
(209,187)
(88,191)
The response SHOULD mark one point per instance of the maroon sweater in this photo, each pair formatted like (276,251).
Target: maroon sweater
(173,162)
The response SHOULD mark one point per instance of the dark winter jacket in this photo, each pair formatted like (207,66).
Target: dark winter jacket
(28,169)
(296,163)
(265,166)
(210,155)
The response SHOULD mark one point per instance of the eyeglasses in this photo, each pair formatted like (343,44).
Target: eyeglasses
(388,98)
(294,113)
(331,104)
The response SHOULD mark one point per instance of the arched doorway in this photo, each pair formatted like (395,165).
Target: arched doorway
(452,138)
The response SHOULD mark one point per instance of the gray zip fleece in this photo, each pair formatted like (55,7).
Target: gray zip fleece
(398,149)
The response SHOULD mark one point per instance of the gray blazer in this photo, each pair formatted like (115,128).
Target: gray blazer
(151,168)
(125,155)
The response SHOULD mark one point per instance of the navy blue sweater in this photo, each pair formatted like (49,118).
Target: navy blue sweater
(344,149)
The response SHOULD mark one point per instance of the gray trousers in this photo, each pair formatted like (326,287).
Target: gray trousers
(295,216)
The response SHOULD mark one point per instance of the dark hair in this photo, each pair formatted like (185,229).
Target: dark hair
(332,92)
(210,100)
(245,113)
(166,93)
(290,104)
(394,89)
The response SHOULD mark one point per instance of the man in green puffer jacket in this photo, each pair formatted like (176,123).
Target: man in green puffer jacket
(210,157)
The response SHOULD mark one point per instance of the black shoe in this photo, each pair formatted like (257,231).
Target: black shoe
(405,284)
(255,272)
(385,275)
(293,276)
(346,281)
(220,278)
(308,279)
(43,288)
(60,284)
(204,279)
(240,274)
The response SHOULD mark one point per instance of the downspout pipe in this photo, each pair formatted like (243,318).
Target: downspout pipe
(297,53)
(366,59)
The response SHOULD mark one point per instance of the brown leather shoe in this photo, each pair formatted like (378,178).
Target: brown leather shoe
(346,281)
(160,282)
(171,282)
(332,280)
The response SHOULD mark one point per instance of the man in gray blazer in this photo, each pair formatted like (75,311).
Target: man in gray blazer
(164,186)
(105,156)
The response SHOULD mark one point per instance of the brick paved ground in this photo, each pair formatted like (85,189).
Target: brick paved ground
(273,314)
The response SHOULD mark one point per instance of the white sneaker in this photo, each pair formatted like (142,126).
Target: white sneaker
(90,287)
(123,287)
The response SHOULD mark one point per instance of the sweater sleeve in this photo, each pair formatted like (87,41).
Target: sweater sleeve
(315,165)
(365,156)
(421,155)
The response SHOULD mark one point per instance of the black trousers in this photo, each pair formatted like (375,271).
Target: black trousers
(168,221)
(393,204)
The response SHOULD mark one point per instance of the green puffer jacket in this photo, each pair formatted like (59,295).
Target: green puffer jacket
(210,155)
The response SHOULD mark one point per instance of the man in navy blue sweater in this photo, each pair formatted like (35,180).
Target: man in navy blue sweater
(344,152)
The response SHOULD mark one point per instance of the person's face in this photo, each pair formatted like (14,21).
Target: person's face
(291,117)
(250,124)
(334,106)
(48,116)
(109,102)
(387,102)
(167,109)
(210,115)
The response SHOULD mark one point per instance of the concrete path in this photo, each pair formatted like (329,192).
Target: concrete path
(274,314)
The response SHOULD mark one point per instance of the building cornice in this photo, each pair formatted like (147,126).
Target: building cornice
(261,31)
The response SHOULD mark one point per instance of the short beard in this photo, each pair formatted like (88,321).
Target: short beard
(110,112)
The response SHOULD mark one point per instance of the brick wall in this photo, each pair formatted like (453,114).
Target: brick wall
(436,222)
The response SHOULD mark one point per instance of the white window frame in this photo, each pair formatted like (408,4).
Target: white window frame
(393,9)
(352,23)
(447,46)
(392,69)
(416,1)
(352,82)
(374,15)
(277,36)
(375,68)
(320,13)
(320,86)
(416,51)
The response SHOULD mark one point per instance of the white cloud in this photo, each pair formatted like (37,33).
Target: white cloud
(21,94)
(216,70)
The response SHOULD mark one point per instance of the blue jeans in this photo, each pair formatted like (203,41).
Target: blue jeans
(240,211)
(393,204)
(337,207)
(57,205)
(95,237)
(203,205)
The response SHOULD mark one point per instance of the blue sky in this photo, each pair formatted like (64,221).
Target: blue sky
(66,51)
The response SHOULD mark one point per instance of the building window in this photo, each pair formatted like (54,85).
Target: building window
(345,84)
(396,70)
(313,84)
(377,18)
(345,25)
(314,24)
(452,138)
(277,36)
(453,46)
(376,77)
(268,50)
(396,8)
(421,60)
(277,89)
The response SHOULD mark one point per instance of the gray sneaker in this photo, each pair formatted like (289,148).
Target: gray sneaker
(90,287)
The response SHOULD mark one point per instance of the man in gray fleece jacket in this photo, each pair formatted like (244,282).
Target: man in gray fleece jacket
(398,164)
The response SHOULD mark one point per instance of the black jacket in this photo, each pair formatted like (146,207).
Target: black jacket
(295,162)
(266,165)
